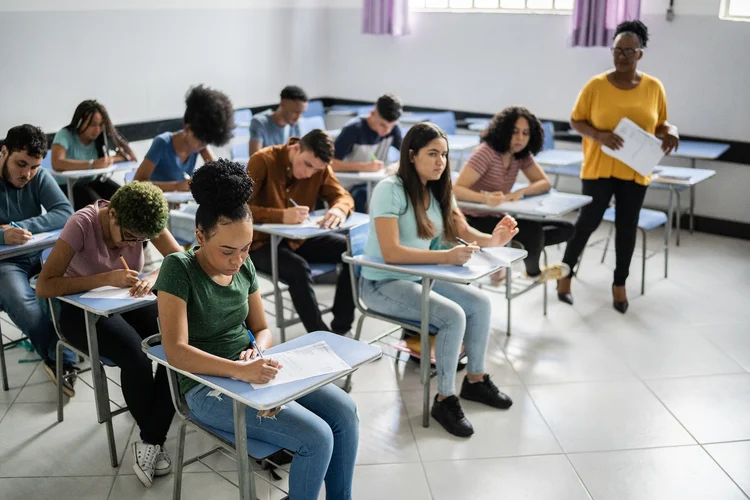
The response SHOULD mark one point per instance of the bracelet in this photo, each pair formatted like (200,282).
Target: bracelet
(91,164)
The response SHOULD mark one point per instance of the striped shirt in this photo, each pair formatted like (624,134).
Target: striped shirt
(493,174)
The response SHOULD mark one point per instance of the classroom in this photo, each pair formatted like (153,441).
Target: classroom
(232,231)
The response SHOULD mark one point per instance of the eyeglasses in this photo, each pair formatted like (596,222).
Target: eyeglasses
(624,52)
(131,239)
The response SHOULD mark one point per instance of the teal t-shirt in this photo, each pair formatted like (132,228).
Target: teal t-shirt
(216,314)
(389,200)
(75,149)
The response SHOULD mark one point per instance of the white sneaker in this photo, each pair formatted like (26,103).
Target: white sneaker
(163,464)
(144,458)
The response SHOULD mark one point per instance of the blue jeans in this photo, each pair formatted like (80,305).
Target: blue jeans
(461,313)
(359,194)
(19,301)
(321,428)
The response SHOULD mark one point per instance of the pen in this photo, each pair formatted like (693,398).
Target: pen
(124,263)
(13,224)
(296,205)
(252,342)
(466,243)
(373,157)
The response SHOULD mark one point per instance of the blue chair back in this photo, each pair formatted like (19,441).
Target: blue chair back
(129,176)
(315,108)
(239,150)
(549,136)
(45,254)
(242,117)
(47,161)
(310,123)
(446,120)
(357,239)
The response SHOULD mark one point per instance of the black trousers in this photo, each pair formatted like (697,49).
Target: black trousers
(86,193)
(532,234)
(629,200)
(146,395)
(294,270)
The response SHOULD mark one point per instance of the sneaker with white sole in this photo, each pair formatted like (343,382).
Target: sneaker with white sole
(163,464)
(144,461)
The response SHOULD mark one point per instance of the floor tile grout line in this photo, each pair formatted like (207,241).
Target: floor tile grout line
(724,471)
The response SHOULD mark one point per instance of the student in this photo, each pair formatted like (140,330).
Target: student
(414,212)
(24,190)
(170,161)
(288,180)
(208,301)
(271,128)
(607,98)
(102,244)
(363,144)
(84,145)
(508,145)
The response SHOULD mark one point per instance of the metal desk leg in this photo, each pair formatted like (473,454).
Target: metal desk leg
(692,197)
(2,363)
(670,214)
(69,183)
(508,294)
(278,304)
(244,474)
(425,355)
(101,393)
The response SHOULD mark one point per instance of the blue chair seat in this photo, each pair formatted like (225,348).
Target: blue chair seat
(647,219)
(316,270)
(660,185)
(567,170)
(256,449)
(432,328)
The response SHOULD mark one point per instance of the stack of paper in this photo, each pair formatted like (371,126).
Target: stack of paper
(305,362)
(640,151)
(114,293)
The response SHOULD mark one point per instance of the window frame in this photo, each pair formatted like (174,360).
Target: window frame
(495,10)
(725,16)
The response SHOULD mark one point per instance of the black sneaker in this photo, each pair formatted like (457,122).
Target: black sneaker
(449,414)
(70,375)
(485,392)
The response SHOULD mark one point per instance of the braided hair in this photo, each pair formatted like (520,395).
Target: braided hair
(81,119)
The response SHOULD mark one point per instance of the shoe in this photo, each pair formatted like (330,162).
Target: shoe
(163,464)
(70,376)
(564,297)
(144,461)
(485,392)
(621,306)
(449,414)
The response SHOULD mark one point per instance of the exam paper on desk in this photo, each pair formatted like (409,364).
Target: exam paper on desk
(312,221)
(114,293)
(305,362)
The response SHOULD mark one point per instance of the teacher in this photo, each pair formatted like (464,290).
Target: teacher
(623,92)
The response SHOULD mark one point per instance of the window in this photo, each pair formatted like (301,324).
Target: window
(735,10)
(554,6)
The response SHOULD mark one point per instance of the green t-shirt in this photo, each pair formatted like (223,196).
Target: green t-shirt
(216,314)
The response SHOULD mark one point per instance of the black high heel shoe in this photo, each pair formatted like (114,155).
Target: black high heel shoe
(564,297)
(622,306)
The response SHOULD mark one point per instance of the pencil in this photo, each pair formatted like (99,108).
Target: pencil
(124,263)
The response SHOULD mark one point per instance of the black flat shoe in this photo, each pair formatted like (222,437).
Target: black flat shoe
(620,307)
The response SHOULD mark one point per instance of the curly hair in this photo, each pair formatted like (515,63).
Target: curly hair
(222,189)
(635,28)
(140,208)
(500,131)
(210,114)
(26,138)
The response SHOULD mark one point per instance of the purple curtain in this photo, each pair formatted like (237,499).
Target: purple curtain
(385,17)
(594,21)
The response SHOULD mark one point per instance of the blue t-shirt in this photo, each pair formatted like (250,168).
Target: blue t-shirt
(167,165)
(264,130)
(357,141)
(389,200)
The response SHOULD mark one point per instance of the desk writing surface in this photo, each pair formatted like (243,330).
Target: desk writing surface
(559,157)
(700,150)
(10,251)
(300,233)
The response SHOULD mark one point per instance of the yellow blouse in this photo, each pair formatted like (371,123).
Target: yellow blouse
(603,105)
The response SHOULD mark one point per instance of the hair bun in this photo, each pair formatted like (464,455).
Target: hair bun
(221,185)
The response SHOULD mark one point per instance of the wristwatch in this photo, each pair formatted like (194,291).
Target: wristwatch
(91,164)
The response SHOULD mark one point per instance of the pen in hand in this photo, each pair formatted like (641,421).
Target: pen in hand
(466,243)
(122,259)
(255,346)
(297,205)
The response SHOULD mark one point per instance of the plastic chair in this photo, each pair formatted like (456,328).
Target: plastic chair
(257,450)
(315,108)
(310,123)
(446,120)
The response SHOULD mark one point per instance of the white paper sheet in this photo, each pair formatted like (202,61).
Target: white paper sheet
(488,257)
(311,221)
(39,237)
(641,151)
(305,362)
(114,293)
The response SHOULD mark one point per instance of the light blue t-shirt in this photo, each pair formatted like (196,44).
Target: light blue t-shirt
(75,150)
(167,165)
(389,200)
(264,130)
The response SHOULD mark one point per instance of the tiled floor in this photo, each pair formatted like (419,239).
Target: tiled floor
(650,405)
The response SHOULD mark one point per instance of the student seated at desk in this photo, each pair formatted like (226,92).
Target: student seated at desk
(363,144)
(84,145)
(170,161)
(508,144)
(24,190)
(299,173)
(92,251)
(414,212)
(271,128)
(208,300)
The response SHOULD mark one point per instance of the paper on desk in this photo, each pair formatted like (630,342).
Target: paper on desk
(640,151)
(311,221)
(305,362)
(488,257)
(39,237)
(114,293)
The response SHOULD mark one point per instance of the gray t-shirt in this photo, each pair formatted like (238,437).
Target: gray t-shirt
(264,130)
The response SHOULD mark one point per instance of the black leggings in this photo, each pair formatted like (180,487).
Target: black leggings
(86,193)
(532,234)
(629,200)
(146,395)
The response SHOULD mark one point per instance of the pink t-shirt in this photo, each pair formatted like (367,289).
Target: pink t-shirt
(83,232)
(493,174)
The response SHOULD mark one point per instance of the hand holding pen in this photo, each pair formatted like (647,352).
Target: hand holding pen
(295,214)
(16,235)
